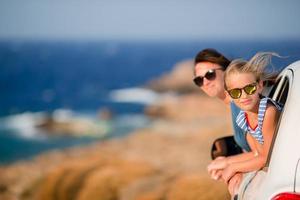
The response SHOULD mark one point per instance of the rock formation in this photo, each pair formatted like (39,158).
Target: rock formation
(164,161)
(179,80)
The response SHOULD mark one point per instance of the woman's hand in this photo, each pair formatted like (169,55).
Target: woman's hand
(216,174)
(217,164)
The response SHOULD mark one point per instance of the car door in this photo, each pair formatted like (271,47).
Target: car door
(280,172)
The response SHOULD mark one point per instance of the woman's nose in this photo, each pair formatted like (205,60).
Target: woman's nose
(205,81)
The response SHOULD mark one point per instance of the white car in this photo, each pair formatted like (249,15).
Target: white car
(280,178)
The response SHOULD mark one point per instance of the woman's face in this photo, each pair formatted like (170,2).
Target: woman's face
(247,102)
(214,87)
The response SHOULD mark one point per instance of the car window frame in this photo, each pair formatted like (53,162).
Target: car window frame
(280,93)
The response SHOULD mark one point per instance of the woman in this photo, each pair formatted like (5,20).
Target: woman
(209,68)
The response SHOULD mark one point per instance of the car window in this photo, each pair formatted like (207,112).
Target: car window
(280,90)
(279,93)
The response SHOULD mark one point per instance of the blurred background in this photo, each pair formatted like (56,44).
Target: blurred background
(74,72)
(106,85)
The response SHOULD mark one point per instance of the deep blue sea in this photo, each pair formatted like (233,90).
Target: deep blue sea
(77,79)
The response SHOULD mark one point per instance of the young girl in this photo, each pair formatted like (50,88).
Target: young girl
(258,116)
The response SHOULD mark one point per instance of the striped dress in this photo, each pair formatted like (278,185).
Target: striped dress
(241,119)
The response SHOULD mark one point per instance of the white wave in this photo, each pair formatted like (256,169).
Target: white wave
(134,95)
(62,115)
(27,125)
(24,124)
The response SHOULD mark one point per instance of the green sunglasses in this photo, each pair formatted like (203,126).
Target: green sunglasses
(248,89)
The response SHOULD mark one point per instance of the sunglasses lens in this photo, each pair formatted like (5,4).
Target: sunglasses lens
(235,93)
(210,75)
(198,81)
(250,89)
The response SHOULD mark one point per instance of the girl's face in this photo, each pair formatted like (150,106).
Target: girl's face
(246,102)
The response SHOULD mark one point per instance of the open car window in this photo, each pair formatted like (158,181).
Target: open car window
(279,93)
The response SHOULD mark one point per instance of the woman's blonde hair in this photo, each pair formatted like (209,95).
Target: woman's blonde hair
(256,65)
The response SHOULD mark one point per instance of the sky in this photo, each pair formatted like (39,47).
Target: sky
(152,19)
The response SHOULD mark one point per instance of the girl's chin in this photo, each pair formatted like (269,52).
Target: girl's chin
(246,107)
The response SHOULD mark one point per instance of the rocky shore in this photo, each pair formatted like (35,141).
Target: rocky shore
(166,161)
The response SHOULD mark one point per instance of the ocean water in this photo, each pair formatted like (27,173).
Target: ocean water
(77,79)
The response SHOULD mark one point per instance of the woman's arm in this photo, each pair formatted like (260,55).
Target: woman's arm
(223,162)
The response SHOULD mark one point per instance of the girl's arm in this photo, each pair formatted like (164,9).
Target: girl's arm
(269,127)
(257,162)
(223,162)
(253,164)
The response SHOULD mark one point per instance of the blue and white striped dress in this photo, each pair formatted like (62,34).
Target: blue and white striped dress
(257,132)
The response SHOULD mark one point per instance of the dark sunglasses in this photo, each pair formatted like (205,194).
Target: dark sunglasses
(248,89)
(209,75)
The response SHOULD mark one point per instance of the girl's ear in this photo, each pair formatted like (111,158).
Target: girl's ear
(260,86)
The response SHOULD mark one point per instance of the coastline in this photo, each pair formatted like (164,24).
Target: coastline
(165,161)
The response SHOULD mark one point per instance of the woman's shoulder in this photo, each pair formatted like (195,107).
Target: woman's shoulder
(235,110)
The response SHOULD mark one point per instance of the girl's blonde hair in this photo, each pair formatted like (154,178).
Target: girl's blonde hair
(256,65)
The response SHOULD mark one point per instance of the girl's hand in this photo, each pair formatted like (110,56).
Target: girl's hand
(217,164)
(234,183)
(227,173)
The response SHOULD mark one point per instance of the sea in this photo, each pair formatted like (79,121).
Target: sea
(78,81)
